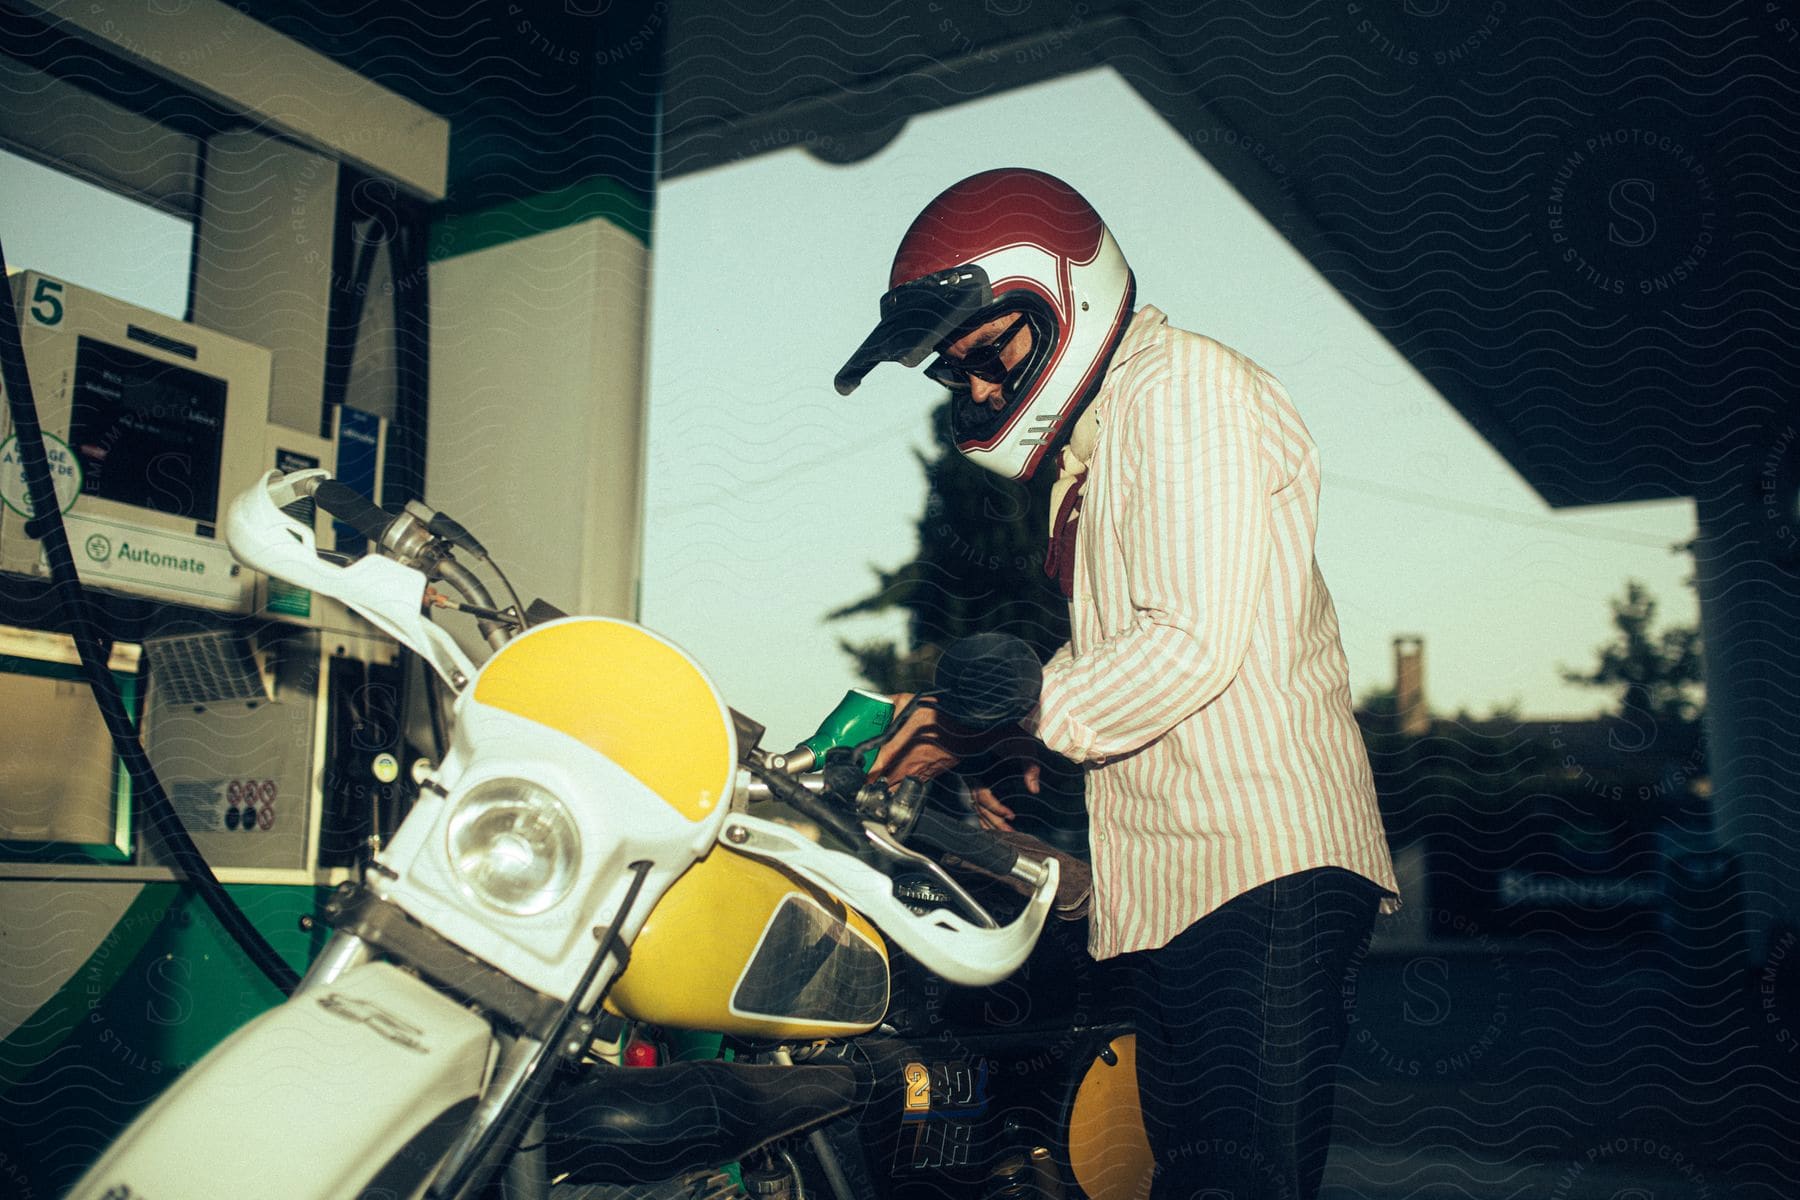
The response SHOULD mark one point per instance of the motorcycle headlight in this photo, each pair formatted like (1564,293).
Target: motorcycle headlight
(513,846)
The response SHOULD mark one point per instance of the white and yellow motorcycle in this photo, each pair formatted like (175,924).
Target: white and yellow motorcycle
(590,851)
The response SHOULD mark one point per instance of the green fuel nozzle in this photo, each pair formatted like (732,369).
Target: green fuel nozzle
(858,717)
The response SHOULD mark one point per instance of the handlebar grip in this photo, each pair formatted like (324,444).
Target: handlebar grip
(354,509)
(977,847)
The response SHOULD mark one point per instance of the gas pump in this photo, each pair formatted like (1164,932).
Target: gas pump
(272,717)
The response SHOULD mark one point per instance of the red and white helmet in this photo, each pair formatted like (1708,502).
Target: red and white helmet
(1005,241)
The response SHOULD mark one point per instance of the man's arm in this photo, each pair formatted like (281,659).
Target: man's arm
(1196,543)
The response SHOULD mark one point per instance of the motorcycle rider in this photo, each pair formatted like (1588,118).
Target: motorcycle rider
(1238,853)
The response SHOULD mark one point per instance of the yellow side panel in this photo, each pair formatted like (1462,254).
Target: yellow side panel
(625,692)
(687,961)
(1108,1149)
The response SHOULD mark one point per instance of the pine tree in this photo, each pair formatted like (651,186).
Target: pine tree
(979,567)
(1660,677)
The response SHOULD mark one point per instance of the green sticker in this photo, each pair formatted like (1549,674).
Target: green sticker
(65,473)
(288,600)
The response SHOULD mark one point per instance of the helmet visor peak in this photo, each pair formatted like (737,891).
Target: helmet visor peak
(916,318)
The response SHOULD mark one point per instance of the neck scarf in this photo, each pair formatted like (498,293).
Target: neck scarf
(1065,499)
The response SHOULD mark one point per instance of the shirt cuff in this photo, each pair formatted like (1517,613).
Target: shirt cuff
(1057,728)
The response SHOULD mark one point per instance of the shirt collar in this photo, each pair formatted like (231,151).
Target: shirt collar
(1145,324)
(1140,331)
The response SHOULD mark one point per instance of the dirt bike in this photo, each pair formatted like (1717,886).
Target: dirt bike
(604,855)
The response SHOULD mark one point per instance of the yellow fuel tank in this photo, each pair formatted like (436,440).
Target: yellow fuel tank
(741,947)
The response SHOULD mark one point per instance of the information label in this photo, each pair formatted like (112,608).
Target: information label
(110,552)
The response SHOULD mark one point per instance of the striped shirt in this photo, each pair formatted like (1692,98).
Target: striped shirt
(1204,683)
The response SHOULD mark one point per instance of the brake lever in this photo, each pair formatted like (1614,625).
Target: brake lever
(886,847)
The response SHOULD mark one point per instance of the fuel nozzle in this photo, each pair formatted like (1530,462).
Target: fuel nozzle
(858,717)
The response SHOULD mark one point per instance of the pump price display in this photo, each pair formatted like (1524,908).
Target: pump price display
(149,433)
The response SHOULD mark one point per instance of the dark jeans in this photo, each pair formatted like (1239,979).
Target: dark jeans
(1241,1023)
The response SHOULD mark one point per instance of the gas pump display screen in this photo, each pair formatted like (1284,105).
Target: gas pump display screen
(149,433)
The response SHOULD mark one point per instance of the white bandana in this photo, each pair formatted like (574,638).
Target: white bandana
(1072,464)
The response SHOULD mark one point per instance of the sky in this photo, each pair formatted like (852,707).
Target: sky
(770,498)
(98,239)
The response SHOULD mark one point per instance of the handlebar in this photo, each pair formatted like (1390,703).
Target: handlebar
(814,807)
(759,792)
(879,817)
(413,539)
(353,509)
(977,847)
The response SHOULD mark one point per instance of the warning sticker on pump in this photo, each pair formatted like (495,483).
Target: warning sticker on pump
(200,804)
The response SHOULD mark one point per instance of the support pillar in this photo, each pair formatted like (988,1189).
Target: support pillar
(1747,569)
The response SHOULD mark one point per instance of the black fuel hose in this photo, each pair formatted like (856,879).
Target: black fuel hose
(71,598)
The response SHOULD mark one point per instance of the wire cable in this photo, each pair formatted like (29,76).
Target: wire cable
(1492,512)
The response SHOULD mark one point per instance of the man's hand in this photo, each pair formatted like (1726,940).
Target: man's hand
(990,810)
(927,745)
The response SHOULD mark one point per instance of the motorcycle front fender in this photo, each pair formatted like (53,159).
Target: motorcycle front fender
(354,1088)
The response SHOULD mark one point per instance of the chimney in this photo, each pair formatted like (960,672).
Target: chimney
(1410,714)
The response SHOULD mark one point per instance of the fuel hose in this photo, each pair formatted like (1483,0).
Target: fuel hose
(70,598)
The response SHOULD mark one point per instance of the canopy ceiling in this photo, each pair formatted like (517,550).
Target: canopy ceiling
(1577,221)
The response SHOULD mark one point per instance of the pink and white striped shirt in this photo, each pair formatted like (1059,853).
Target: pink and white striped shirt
(1204,683)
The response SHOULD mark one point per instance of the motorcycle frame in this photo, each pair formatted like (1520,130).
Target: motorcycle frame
(492,1071)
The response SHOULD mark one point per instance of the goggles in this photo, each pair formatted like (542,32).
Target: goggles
(982,362)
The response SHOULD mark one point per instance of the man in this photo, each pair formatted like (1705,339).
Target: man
(1238,854)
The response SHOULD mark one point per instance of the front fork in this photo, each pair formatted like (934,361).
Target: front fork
(525,1176)
(342,954)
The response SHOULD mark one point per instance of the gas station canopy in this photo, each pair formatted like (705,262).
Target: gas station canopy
(1576,221)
